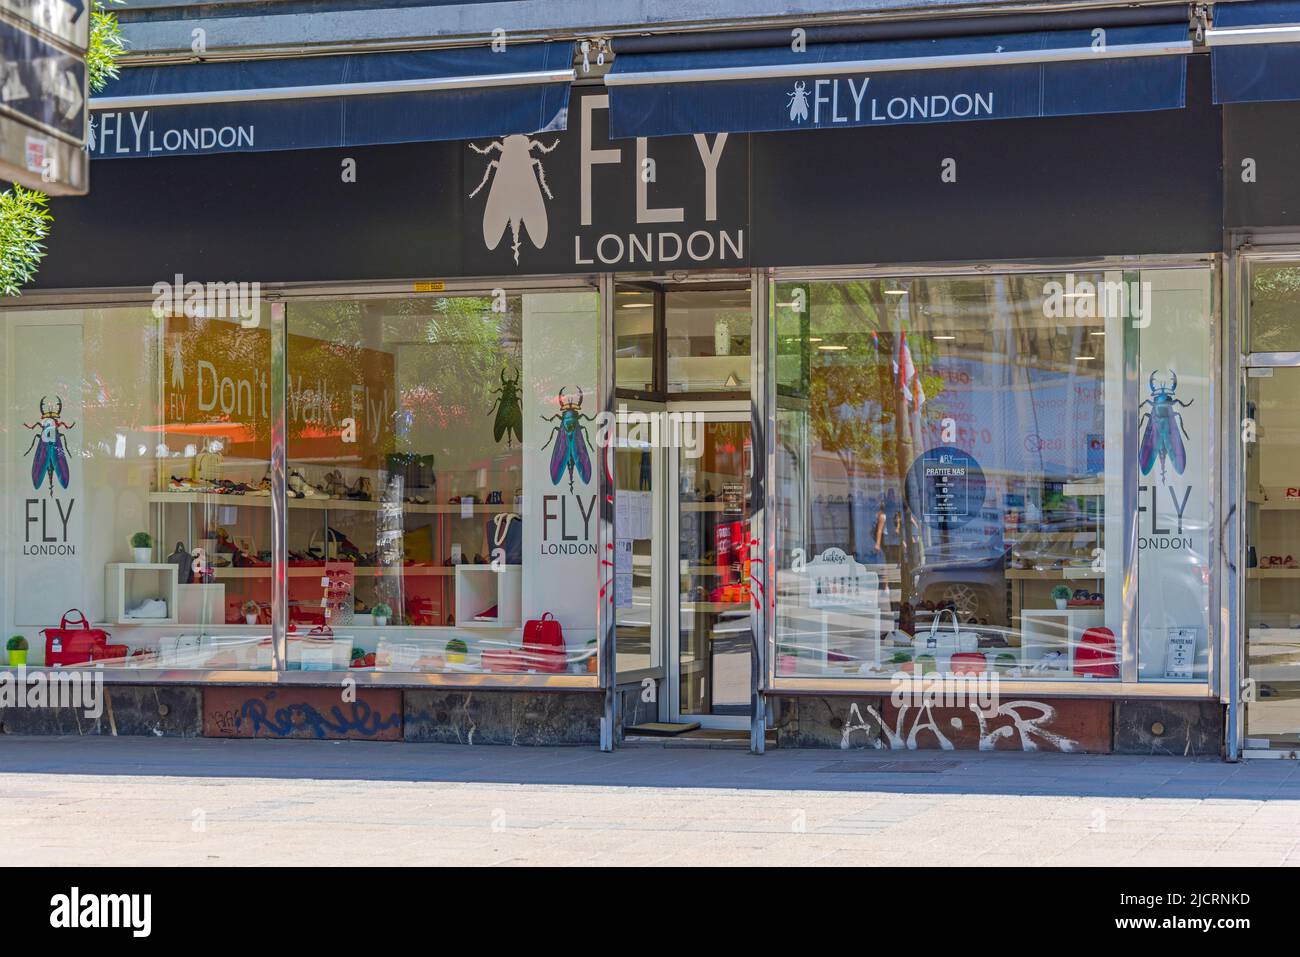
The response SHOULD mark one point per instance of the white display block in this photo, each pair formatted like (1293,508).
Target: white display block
(479,587)
(201,604)
(127,585)
(1044,631)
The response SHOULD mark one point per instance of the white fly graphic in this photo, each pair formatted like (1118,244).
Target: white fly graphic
(515,198)
(798,102)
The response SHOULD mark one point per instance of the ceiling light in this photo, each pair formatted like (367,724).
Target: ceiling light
(832,348)
(1100,332)
(895,292)
(1084,358)
(945,338)
(636,305)
(814,338)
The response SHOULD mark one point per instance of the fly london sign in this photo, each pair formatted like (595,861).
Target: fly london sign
(579,200)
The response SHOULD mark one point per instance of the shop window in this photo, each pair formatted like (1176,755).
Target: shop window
(442,480)
(1274,324)
(635,326)
(944,498)
(137,485)
(708,335)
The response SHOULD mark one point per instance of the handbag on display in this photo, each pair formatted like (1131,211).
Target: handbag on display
(544,644)
(79,644)
(948,642)
(1095,655)
(505,530)
(543,649)
(206,466)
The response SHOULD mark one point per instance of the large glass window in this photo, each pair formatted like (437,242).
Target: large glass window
(136,487)
(945,500)
(442,485)
(442,481)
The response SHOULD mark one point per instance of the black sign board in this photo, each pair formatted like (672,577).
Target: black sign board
(1260,144)
(578,202)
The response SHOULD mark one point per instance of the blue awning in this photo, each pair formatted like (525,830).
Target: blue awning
(331,101)
(1256,51)
(1053,73)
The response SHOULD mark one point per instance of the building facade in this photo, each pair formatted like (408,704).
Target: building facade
(779,373)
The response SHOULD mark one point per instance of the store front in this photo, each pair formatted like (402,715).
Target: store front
(766,443)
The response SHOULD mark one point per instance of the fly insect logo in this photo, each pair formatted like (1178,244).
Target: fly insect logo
(516,196)
(51,446)
(571,440)
(798,102)
(1162,439)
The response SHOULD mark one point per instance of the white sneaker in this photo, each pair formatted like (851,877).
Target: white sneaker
(149,608)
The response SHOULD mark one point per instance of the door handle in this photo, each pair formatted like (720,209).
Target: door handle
(1223,530)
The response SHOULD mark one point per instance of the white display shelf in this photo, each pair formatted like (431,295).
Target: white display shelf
(324,504)
(126,585)
(1083,489)
(367,571)
(479,587)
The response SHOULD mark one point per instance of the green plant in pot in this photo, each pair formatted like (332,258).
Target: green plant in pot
(1061,594)
(380,613)
(456,651)
(17,648)
(142,547)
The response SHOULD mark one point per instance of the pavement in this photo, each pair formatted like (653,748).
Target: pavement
(92,801)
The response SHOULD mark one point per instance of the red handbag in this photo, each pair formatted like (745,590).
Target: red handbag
(543,644)
(78,645)
(1096,654)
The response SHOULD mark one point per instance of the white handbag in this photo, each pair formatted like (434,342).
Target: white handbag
(947,642)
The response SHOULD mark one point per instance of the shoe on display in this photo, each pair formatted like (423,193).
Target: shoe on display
(149,608)
(489,615)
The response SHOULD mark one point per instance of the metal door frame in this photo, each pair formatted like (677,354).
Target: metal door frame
(1237,365)
(738,412)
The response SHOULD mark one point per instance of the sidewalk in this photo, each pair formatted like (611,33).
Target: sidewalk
(87,801)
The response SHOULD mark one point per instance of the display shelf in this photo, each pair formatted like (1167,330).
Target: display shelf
(315,571)
(127,585)
(1083,489)
(482,586)
(1082,573)
(324,504)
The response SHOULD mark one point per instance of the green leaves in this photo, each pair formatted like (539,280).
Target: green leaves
(24,223)
(106,45)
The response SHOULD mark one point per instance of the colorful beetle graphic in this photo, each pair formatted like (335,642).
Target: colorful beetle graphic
(509,411)
(1162,440)
(51,445)
(570,438)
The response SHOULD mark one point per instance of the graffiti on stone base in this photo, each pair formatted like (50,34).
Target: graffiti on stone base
(1018,724)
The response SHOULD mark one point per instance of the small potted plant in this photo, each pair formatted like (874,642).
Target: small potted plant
(456,650)
(17,648)
(252,612)
(380,614)
(1061,595)
(142,547)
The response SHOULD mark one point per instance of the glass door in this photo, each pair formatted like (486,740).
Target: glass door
(712,470)
(1271,432)
(1272,607)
